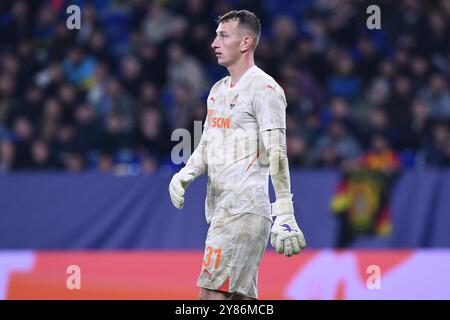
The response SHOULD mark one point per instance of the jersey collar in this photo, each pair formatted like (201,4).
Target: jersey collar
(242,79)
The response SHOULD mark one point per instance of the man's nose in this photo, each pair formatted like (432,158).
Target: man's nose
(215,43)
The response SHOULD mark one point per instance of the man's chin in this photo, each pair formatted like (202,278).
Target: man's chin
(222,63)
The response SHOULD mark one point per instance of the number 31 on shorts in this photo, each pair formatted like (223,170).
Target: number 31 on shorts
(212,254)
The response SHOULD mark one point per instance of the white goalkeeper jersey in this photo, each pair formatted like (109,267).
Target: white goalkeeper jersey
(237,163)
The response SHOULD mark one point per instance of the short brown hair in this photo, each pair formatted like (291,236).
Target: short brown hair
(246,19)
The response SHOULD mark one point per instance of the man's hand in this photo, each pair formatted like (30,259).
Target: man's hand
(177,187)
(285,235)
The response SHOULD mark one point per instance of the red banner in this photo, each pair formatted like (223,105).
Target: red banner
(324,274)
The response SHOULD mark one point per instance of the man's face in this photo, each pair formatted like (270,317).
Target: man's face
(227,43)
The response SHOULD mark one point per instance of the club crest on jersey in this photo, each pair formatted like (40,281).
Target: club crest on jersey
(233,102)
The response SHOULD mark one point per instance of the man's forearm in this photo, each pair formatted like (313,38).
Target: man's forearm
(275,143)
(281,179)
(196,164)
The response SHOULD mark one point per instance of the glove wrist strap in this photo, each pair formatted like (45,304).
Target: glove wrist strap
(283,206)
(189,171)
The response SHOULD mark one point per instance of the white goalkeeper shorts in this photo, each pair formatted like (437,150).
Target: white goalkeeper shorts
(233,250)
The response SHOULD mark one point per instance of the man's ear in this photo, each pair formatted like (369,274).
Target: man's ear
(247,43)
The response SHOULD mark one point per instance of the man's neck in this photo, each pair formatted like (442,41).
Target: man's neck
(238,69)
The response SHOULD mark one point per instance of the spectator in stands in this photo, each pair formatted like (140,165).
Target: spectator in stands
(435,152)
(418,130)
(79,68)
(130,69)
(381,156)
(116,136)
(184,69)
(7,155)
(8,102)
(297,151)
(437,96)
(344,81)
(87,130)
(335,146)
(115,98)
(41,158)
(23,137)
(153,134)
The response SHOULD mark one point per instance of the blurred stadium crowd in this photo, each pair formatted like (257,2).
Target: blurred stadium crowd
(111,93)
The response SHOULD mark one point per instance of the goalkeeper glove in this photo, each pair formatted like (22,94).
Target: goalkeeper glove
(178,185)
(285,235)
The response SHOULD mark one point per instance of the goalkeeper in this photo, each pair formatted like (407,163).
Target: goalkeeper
(243,141)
